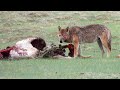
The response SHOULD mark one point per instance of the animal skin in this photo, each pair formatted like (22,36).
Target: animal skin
(27,48)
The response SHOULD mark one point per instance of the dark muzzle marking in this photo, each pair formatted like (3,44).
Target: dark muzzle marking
(61,41)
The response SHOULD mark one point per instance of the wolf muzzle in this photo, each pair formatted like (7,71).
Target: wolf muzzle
(61,41)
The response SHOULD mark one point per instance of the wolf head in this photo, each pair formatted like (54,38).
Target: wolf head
(63,34)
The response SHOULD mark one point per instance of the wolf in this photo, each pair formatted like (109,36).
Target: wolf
(86,34)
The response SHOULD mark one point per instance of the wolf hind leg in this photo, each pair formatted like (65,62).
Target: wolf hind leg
(100,46)
(79,51)
(105,43)
(109,44)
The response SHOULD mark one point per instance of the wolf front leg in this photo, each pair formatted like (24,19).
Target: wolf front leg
(79,51)
(76,45)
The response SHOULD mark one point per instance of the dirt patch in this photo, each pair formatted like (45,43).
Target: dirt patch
(41,14)
(63,17)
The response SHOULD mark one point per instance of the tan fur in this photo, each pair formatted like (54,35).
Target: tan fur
(76,45)
(104,40)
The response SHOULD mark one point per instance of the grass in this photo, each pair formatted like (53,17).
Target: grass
(84,68)
(15,24)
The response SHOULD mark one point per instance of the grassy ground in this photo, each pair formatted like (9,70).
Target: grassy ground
(17,25)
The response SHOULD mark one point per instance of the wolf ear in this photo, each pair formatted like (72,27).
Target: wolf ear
(59,28)
(67,29)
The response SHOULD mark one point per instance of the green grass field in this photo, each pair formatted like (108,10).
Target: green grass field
(17,25)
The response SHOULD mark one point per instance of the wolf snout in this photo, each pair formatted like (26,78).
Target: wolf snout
(61,41)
